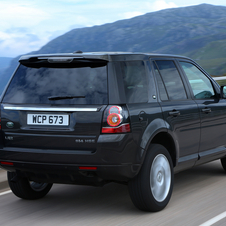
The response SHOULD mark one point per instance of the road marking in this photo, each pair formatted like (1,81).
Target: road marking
(214,220)
(5,192)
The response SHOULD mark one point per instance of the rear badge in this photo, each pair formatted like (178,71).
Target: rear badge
(85,141)
(10,125)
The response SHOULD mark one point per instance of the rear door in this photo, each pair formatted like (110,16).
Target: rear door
(55,105)
(139,89)
(179,110)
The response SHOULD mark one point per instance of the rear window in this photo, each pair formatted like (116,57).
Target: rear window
(135,81)
(172,80)
(63,85)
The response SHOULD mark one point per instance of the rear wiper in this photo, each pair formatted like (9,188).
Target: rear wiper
(64,97)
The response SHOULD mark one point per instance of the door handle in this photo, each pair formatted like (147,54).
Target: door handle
(206,110)
(174,113)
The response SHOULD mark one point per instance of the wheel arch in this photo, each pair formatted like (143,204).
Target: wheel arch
(166,140)
(159,132)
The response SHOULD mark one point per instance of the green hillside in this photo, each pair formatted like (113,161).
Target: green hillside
(212,57)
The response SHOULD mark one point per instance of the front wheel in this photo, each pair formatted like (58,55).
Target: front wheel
(25,189)
(151,189)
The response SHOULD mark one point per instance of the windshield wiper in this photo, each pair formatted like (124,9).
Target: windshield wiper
(64,97)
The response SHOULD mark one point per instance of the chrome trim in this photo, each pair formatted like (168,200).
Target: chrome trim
(48,109)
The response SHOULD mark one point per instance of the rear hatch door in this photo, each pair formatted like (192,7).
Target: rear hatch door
(55,103)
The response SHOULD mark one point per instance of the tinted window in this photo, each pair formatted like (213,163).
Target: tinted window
(135,81)
(171,79)
(162,90)
(200,84)
(36,85)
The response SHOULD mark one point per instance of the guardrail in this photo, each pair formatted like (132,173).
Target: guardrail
(219,78)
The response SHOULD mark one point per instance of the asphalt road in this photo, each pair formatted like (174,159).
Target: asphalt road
(199,195)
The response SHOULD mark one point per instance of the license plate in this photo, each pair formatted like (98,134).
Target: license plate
(47,119)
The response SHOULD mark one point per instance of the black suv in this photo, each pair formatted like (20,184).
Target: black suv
(94,118)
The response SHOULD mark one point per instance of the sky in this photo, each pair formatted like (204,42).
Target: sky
(27,25)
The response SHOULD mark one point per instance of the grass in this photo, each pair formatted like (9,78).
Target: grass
(221,82)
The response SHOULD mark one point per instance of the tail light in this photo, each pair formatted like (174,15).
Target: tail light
(6,163)
(116,120)
(87,168)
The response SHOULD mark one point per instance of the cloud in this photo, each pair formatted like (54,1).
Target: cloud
(128,15)
(146,7)
(22,27)
(19,43)
(15,13)
(13,30)
(160,4)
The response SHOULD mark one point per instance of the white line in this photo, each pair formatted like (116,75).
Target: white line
(5,192)
(214,220)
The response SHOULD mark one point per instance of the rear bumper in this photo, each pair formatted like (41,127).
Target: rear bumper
(71,174)
(113,161)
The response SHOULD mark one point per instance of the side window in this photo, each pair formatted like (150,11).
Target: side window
(162,90)
(135,81)
(172,80)
(200,84)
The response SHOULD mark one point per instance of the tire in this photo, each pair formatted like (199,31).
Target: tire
(223,163)
(25,189)
(152,188)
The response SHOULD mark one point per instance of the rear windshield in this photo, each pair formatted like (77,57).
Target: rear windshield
(63,85)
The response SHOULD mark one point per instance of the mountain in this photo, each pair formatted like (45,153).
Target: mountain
(4,62)
(177,30)
(197,31)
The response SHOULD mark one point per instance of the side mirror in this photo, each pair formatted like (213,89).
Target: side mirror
(223,92)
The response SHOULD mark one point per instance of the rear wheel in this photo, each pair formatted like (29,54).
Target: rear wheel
(151,189)
(223,163)
(25,189)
